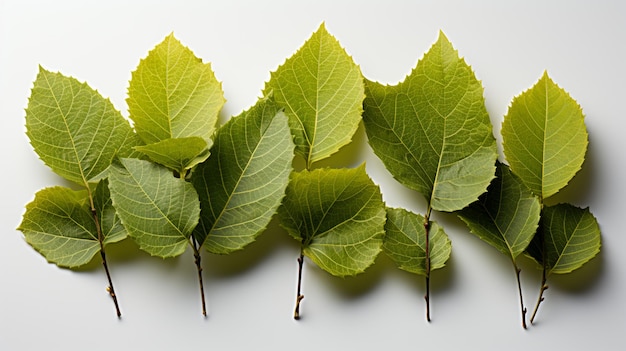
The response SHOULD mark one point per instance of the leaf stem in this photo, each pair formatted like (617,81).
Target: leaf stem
(519,289)
(110,288)
(427,254)
(198,262)
(299,296)
(540,299)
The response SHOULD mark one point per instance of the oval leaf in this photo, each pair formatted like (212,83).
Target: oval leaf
(337,215)
(405,242)
(172,94)
(432,131)
(73,129)
(158,210)
(243,182)
(506,216)
(321,90)
(180,154)
(544,137)
(569,237)
(59,225)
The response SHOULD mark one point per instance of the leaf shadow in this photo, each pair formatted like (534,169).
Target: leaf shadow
(349,156)
(584,280)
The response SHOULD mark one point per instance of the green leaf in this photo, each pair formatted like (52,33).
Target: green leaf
(568,237)
(158,210)
(73,129)
(432,130)
(58,224)
(405,242)
(544,137)
(110,224)
(172,94)
(338,216)
(243,182)
(506,216)
(321,90)
(179,154)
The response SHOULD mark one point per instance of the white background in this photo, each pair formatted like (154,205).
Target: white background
(251,293)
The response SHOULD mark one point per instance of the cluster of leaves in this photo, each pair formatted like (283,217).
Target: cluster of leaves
(174,179)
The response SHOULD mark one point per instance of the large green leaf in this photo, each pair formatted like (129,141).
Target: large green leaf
(158,210)
(179,154)
(338,216)
(544,137)
(58,224)
(506,216)
(432,130)
(568,237)
(405,242)
(322,91)
(243,182)
(172,94)
(73,129)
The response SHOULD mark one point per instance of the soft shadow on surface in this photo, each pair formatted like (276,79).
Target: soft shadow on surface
(272,239)
(582,281)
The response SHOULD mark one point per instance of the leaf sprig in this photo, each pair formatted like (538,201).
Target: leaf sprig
(177,179)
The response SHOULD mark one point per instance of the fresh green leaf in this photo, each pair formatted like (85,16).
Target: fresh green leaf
(568,237)
(112,228)
(405,242)
(506,216)
(60,226)
(337,215)
(544,137)
(180,154)
(73,129)
(321,90)
(243,182)
(172,94)
(158,210)
(432,130)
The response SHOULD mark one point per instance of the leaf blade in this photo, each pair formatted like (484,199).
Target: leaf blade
(544,137)
(172,94)
(158,211)
(432,131)
(506,216)
(178,154)
(243,182)
(321,90)
(405,242)
(337,215)
(73,129)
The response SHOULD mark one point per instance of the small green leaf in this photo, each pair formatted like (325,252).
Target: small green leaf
(112,228)
(568,237)
(321,90)
(179,154)
(544,137)
(158,210)
(59,225)
(73,129)
(405,242)
(172,94)
(506,216)
(243,182)
(338,216)
(432,130)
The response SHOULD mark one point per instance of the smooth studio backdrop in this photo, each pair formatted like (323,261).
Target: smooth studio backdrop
(251,294)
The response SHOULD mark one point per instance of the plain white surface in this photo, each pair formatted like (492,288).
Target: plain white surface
(251,293)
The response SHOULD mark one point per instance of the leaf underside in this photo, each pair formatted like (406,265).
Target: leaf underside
(506,216)
(158,210)
(544,137)
(432,130)
(568,237)
(73,129)
(337,215)
(405,242)
(322,92)
(178,154)
(243,182)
